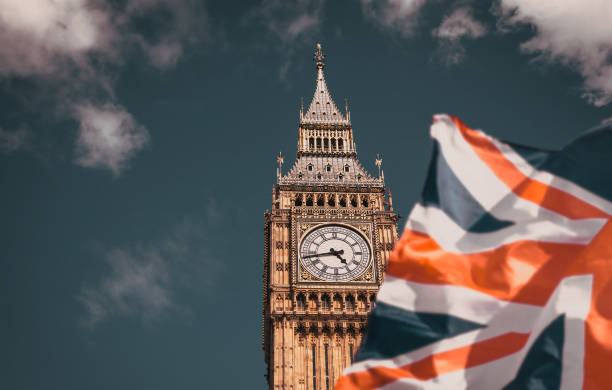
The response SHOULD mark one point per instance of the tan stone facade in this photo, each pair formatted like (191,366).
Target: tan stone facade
(317,298)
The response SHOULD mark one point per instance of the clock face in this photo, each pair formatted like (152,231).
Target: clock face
(335,253)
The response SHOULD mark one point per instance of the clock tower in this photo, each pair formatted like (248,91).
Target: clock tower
(327,240)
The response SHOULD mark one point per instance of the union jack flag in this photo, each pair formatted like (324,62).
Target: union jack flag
(502,278)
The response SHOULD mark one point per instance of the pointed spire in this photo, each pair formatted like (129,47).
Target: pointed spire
(318,57)
(378,164)
(322,109)
(346,109)
(280,159)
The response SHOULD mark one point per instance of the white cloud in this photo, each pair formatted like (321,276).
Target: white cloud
(72,50)
(11,141)
(399,15)
(38,36)
(108,137)
(145,281)
(139,284)
(459,25)
(575,33)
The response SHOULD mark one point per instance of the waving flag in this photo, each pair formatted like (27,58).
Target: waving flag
(502,278)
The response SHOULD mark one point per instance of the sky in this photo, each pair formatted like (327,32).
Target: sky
(138,144)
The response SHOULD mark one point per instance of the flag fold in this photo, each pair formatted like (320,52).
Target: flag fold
(502,278)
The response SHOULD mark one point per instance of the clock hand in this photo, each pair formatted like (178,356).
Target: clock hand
(337,254)
(319,255)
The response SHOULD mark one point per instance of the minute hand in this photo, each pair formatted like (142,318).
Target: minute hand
(320,254)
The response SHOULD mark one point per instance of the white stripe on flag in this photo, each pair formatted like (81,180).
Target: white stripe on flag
(450,236)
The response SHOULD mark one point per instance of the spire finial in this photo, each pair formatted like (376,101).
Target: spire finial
(279,160)
(378,164)
(318,57)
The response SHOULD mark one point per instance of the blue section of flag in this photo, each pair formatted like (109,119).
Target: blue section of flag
(586,161)
(541,369)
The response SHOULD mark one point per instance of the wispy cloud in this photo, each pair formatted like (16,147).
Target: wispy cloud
(139,284)
(397,15)
(11,141)
(289,21)
(457,26)
(144,280)
(575,33)
(72,50)
(288,25)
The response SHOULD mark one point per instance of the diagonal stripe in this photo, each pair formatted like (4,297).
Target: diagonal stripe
(511,153)
(434,365)
(539,193)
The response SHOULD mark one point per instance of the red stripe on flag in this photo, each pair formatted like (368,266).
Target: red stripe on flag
(522,272)
(537,192)
(444,362)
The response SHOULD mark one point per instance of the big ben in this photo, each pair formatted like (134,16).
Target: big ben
(328,236)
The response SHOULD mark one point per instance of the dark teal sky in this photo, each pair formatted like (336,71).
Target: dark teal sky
(147,274)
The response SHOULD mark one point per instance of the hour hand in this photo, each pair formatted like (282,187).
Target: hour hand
(342,259)
(337,254)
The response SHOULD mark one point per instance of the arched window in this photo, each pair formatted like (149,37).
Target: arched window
(325,144)
(311,143)
(328,168)
(309,167)
(309,200)
(354,201)
(340,144)
(363,301)
(298,199)
(313,300)
(319,143)
(350,302)
(333,144)
(340,177)
(346,168)
(319,176)
(337,302)
(364,201)
(325,301)
(301,301)
(342,201)
(331,201)
(320,200)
